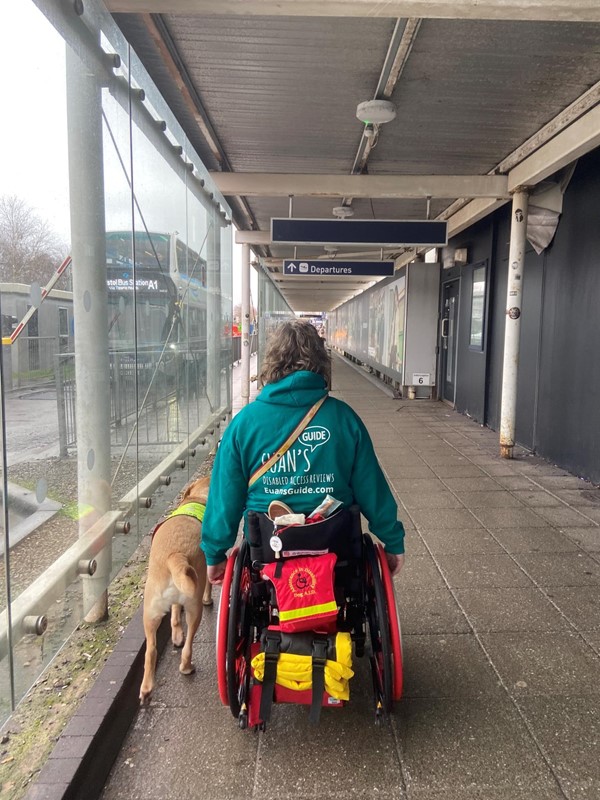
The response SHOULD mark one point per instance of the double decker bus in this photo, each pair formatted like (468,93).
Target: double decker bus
(157,283)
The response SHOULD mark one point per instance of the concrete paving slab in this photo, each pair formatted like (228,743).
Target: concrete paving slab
(419,572)
(516,482)
(458,542)
(590,512)
(489,570)
(429,611)
(584,496)
(481,483)
(480,749)
(568,728)
(346,756)
(592,639)
(467,470)
(496,469)
(444,459)
(511,610)
(566,569)
(434,519)
(561,481)
(587,538)
(418,485)
(510,518)
(528,540)
(563,517)
(581,605)
(535,498)
(438,499)
(450,665)
(420,470)
(544,663)
(413,542)
(493,499)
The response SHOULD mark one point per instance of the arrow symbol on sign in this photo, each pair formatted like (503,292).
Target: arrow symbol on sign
(292,267)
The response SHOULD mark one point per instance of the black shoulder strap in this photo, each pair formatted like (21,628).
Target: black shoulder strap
(272,650)
(319,657)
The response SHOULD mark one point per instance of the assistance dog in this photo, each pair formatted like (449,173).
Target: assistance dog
(176,578)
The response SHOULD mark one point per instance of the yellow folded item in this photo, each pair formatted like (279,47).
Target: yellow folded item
(295,671)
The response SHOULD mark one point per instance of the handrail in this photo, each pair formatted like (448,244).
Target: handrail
(48,587)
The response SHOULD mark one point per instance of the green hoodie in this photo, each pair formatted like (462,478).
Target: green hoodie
(333,455)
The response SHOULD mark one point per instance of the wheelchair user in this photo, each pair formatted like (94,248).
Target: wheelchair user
(333,455)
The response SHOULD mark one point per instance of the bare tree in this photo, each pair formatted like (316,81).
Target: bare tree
(29,248)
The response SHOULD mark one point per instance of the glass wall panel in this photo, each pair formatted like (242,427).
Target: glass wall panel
(272,309)
(370,327)
(111,383)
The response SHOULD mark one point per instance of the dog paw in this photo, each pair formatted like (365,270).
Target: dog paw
(209,602)
(189,670)
(145,695)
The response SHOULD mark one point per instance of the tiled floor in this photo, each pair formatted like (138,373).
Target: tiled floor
(500,608)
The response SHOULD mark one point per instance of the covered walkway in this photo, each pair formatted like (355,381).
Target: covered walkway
(499,607)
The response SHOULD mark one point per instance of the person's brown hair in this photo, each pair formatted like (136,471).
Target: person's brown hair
(293,346)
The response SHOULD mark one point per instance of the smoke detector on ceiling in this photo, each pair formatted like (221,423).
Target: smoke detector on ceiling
(341,212)
(376,112)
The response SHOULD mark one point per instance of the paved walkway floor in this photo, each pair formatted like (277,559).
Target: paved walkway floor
(499,603)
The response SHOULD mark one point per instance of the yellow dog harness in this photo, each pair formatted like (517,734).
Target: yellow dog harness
(195,510)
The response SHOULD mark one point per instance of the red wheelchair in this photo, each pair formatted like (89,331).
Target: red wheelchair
(268,654)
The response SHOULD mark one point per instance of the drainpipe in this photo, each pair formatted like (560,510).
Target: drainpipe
(90,310)
(514,293)
(245,389)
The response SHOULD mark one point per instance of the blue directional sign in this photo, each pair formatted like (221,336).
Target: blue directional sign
(433,233)
(336,268)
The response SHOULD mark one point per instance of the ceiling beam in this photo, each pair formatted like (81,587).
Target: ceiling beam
(534,10)
(579,138)
(265,184)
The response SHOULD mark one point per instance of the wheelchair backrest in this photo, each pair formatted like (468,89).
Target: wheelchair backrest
(340,534)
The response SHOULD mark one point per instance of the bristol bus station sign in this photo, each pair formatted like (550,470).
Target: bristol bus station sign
(337,268)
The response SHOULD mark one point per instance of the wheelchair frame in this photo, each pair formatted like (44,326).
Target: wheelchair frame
(367,610)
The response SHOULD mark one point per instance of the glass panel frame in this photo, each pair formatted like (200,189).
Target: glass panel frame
(478,307)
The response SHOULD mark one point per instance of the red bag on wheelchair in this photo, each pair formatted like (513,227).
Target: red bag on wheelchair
(304,591)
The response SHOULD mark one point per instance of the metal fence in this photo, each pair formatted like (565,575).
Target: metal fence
(33,359)
(237,346)
(160,398)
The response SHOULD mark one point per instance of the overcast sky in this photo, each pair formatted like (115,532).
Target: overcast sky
(33,138)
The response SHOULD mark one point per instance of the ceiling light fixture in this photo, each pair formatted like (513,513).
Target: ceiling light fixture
(341,212)
(376,112)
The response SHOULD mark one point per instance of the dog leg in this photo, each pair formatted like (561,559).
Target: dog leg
(193,616)
(207,597)
(150,627)
(177,634)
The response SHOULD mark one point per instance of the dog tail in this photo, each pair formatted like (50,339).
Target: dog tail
(184,575)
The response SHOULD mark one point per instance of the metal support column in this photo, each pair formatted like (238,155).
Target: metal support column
(213,317)
(245,388)
(90,310)
(514,293)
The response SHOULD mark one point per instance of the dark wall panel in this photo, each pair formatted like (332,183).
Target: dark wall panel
(568,430)
(472,364)
(558,402)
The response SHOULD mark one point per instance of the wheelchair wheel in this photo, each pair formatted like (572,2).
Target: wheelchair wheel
(379,632)
(394,621)
(222,625)
(238,635)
